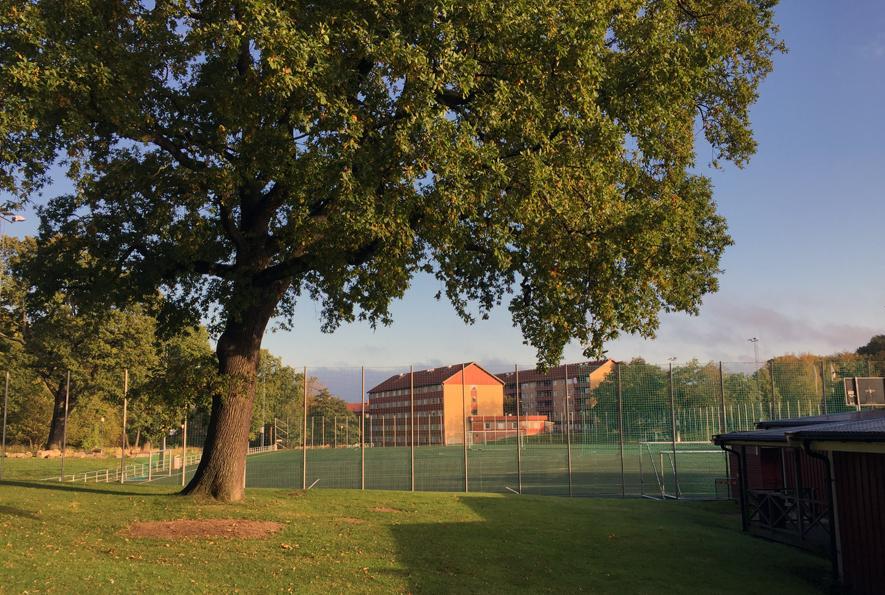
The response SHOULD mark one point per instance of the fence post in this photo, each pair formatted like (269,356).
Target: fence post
(823,386)
(771,377)
(621,427)
(518,423)
(412,424)
(363,428)
(123,436)
(304,434)
(64,430)
(150,460)
(568,432)
(184,448)
(5,404)
(723,417)
(723,421)
(464,419)
(673,430)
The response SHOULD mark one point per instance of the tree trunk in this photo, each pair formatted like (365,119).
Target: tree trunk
(57,424)
(220,472)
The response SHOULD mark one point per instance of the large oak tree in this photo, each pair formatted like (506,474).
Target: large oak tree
(238,155)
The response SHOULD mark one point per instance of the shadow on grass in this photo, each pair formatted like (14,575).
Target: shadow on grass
(19,512)
(68,487)
(521,543)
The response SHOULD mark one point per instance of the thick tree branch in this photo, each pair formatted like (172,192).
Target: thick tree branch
(218,269)
(179,154)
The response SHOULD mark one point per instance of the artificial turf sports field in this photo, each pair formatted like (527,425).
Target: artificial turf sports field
(596,469)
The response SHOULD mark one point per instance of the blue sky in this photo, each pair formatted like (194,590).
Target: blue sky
(807,271)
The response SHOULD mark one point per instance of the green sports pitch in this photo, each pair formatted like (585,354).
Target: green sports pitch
(649,469)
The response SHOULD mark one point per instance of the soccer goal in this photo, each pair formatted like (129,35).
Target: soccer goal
(691,470)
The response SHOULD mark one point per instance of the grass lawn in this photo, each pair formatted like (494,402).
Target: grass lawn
(67,538)
(36,468)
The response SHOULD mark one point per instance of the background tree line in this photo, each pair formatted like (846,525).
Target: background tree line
(168,372)
(784,385)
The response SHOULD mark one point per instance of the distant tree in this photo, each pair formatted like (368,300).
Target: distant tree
(30,404)
(329,416)
(874,349)
(279,394)
(645,400)
(184,378)
(239,155)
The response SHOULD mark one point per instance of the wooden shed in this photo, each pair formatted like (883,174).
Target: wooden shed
(819,483)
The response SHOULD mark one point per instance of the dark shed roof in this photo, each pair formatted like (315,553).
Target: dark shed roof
(845,416)
(863,430)
(855,426)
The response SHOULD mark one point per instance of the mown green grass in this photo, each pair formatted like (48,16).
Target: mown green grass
(65,538)
(38,468)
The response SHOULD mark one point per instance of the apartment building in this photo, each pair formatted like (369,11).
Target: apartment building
(544,393)
(443,398)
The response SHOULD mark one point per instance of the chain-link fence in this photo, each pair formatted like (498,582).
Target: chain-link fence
(597,429)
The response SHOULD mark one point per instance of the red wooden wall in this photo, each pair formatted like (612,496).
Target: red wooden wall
(860,504)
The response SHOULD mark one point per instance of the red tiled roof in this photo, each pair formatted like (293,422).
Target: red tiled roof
(555,373)
(355,407)
(429,377)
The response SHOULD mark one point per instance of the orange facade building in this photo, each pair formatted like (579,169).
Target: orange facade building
(546,393)
(444,398)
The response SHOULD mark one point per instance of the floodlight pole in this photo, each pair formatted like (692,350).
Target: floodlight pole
(755,342)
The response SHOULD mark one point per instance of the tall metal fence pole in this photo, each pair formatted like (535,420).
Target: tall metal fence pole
(771,378)
(568,432)
(723,421)
(673,430)
(184,449)
(304,434)
(5,406)
(412,425)
(464,418)
(123,435)
(518,424)
(723,416)
(823,386)
(363,428)
(621,426)
(64,430)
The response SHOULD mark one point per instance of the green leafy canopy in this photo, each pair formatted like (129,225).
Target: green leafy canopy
(237,155)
